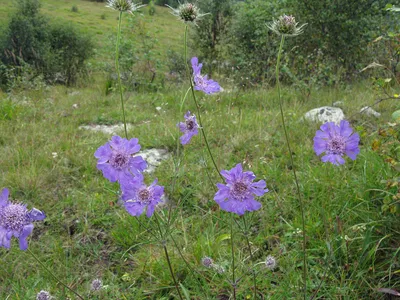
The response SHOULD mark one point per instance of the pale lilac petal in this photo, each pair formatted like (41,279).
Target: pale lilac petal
(36,215)
(4,197)
(27,230)
(108,172)
(132,146)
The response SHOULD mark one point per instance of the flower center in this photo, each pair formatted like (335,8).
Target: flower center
(190,125)
(240,189)
(14,217)
(336,145)
(119,160)
(144,196)
(199,80)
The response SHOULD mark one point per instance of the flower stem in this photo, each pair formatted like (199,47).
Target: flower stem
(164,244)
(251,256)
(233,261)
(118,71)
(197,106)
(52,274)
(294,169)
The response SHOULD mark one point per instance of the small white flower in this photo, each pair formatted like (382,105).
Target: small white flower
(54,154)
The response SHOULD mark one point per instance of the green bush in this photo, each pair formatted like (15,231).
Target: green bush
(152,8)
(55,52)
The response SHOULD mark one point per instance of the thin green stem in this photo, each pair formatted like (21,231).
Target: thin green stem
(118,71)
(198,107)
(233,261)
(251,256)
(293,168)
(54,276)
(164,244)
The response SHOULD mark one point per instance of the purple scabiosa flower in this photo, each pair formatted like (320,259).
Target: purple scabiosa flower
(43,295)
(16,220)
(189,128)
(270,262)
(137,196)
(96,285)
(202,83)
(115,159)
(237,195)
(207,262)
(336,141)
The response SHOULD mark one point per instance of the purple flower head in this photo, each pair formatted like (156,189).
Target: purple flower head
(16,220)
(189,128)
(115,159)
(202,83)
(237,195)
(336,141)
(137,196)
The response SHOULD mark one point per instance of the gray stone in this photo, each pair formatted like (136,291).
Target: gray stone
(154,158)
(325,114)
(107,129)
(369,112)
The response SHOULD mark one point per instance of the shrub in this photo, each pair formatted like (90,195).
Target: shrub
(152,8)
(74,8)
(56,52)
(72,49)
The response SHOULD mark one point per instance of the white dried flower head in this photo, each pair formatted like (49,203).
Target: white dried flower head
(43,295)
(286,26)
(207,262)
(96,285)
(270,262)
(187,13)
(123,5)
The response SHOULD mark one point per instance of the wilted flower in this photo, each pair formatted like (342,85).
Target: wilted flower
(187,12)
(202,83)
(189,128)
(270,262)
(207,262)
(96,285)
(115,159)
(287,26)
(237,195)
(43,295)
(137,196)
(336,141)
(123,5)
(16,220)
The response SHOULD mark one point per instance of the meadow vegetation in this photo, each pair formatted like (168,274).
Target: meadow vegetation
(351,211)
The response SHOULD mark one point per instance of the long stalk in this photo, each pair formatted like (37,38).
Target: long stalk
(233,262)
(118,71)
(54,276)
(293,168)
(164,244)
(197,106)
(251,256)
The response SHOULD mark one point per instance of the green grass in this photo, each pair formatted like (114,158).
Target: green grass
(353,245)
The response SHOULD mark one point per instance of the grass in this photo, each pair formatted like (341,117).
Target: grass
(353,244)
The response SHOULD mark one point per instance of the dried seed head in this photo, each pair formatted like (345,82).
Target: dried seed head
(287,26)
(123,5)
(187,13)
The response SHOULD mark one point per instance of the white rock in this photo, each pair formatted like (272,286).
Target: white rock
(75,105)
(154,157)
(325,114)
(369,112)
(107,129)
